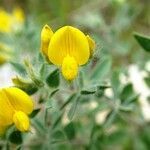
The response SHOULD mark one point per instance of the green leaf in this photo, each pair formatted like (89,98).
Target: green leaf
(116,137)
(147,81)
(128,108)
(53,79)
(96,131)
(54,92)
(47,118)
(102,69)
(15,137)
(42,70)
(33,89)
(39,125)
(73,108)
(127,95)
(57,121)
(98,89)
(70,131)
(34,113)
(132,98)
(115,83)
(81,79)
(87,92)
(145,135)
(18,67)
(58,136)
(101,89)
(143,41)
(40,57)
(70,99)
(19,148)
(28,86)
(127,92)
(110,118)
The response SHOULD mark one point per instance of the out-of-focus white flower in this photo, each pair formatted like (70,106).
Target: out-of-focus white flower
(101,116)
(140,87)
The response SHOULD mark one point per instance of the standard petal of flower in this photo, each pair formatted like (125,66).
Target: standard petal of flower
(21,121)
(6,110)
(19,100)
(68,40)
(46,35)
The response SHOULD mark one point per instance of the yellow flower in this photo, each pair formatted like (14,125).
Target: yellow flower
(11,21)
(5,21)
(18,15)
(68,48)
(91,45)
(46,35)
(15,106)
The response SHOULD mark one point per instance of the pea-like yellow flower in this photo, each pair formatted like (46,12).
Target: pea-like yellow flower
(15,106)
(68,48)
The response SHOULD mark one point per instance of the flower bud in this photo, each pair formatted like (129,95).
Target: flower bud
(28,86)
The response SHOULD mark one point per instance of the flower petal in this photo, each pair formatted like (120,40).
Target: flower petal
(19,100)
(46,35)
(5,21)
(6,110)
(21,120)
(68,41)
(91,45)
(69,68)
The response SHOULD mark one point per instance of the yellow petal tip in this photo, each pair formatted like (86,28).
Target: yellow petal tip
(69,68)
(21,121)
